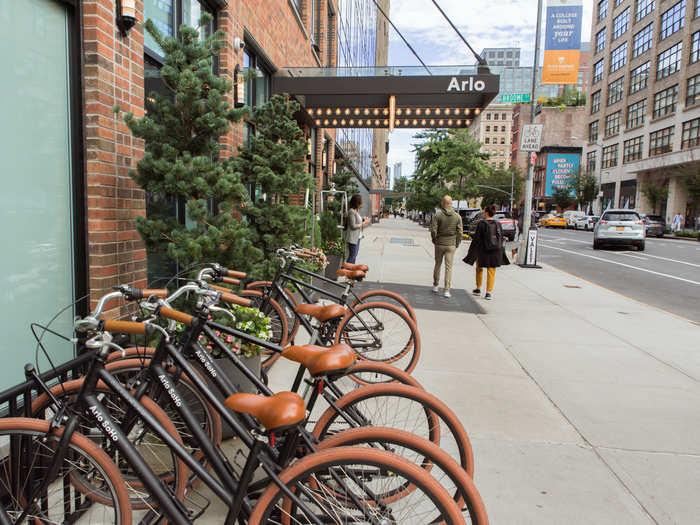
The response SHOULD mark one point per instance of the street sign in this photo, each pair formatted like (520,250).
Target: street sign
(531,254)
(531,137)
(514,98)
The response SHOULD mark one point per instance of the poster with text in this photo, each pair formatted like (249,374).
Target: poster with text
(560,168)
(562,48)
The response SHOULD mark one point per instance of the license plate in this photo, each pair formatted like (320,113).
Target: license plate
(620,228)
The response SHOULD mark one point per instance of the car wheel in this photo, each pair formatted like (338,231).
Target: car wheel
(640,246)
(659,236)
(596,244)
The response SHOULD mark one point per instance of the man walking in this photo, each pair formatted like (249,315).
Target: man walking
(446,233)
(677,222)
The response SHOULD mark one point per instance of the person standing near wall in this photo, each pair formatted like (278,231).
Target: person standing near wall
(353,227)
(446,234)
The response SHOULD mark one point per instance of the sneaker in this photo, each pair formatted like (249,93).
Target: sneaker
(487,296)
(476,291)
(446,293)
(436,289)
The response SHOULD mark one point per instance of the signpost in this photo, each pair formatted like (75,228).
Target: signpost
(531,137)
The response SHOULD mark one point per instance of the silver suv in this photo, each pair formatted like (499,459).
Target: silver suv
(619,227)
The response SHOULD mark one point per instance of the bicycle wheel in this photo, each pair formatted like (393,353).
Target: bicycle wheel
(67,498)
(385,296)
(278,320)
(381,332)
(340,485)
(366,373)
(208,418)
(287,305)
(402,407)
(156,453)
(426,455)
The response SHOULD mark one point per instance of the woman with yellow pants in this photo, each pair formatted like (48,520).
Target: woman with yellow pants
(487,251)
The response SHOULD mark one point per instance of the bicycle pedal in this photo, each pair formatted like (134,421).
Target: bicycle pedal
(196,503)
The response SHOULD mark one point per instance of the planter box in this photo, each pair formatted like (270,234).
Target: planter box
(242,383)
(334,264)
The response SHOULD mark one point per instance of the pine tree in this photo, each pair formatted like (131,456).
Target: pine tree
(273,163)
(182,161)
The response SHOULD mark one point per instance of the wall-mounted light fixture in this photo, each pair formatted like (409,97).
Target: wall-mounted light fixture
(126,15)
(392,112)
(238,87)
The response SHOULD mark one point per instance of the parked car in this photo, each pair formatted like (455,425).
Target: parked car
(571,216)
(586,222)
(539,214)
(504,217)
(554,221)
(654,224)
(543,219)
(467,215)
(619,227)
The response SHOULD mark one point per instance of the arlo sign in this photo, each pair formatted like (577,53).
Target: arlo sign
(467,85)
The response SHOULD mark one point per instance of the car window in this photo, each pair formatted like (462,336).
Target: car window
(655,218)
(621,216)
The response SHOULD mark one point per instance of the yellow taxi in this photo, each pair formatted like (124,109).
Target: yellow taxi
(556,222)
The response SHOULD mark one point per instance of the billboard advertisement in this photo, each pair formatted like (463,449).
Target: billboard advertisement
(562,48)
(560,168)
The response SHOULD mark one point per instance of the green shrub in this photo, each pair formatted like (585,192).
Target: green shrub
(687,233)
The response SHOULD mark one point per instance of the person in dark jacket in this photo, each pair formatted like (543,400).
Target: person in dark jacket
(483,258)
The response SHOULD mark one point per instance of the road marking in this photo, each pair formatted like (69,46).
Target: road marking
(674,260)
(560,239)
(633,256)
(623,264)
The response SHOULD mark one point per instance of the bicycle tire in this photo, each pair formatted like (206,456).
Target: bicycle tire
(372,296)
(307,471)
(293,323)
(366,373)
(114,495)
(451,435)
(432,459)
(279,319)
(407,342)
(175,474)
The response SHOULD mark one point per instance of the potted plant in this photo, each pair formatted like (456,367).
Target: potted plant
(335,252)
(316,263)
(250,321)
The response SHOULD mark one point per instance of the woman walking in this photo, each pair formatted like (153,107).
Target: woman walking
(353,227)
(487,251)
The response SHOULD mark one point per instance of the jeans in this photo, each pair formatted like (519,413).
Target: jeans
(448,252)
(352,252)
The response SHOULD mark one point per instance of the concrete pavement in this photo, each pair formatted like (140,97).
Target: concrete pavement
(581,403)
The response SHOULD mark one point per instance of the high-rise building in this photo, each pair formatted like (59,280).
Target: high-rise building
(502,56)
(491,127)
(396,173)
(643,124)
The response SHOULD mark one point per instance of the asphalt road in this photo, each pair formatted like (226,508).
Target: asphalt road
(665,275)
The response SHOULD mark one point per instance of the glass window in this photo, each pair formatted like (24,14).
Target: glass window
(495,116)
(162,13)
(642,40)
(257,88)
(503,129)
(639,78)
(632,149)
(299,4)
(644,7)
(504,116)
(621,23)
(695,47)
(612,124)
(315,12)
(503,140)
(665,101)
(598,70)
(591,161)
(615,90)
(697,8)
(661,141)
(691,134)
(610,156)
(36,266)
(692,94)
(488,128)
(487,140)
(636,113)
(602,9)
(191,13)
(330,37)
(488,116)
(672,20)
(669,61)
(618,2)
(593,131)
(618,57)
(600,40)
(595,102)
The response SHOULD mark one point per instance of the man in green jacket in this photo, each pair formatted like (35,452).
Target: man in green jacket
(446,232)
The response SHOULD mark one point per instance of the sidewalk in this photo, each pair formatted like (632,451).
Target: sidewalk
(581,404)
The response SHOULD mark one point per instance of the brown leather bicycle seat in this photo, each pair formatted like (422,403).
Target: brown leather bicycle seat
(351,274)
(321,360)
(350,266)
(320,312)
(275,412)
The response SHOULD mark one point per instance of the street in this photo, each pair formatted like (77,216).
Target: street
(666,275)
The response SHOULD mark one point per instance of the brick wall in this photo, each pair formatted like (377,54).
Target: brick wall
(113,74)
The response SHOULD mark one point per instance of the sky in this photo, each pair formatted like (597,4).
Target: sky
(484,23)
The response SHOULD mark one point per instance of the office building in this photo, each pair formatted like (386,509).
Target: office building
(502,56)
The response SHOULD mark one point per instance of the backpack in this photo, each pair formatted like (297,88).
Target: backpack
(494,236)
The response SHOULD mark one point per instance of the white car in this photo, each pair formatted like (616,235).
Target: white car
(619,227)
(572,216)
(586,223)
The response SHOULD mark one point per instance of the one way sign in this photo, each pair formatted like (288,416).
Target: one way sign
(531,137)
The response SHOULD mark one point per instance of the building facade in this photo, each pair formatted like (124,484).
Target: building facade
(491,127)
(643,124)
(73,207)
(502,56)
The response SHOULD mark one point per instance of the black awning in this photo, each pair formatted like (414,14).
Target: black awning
(366,101)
